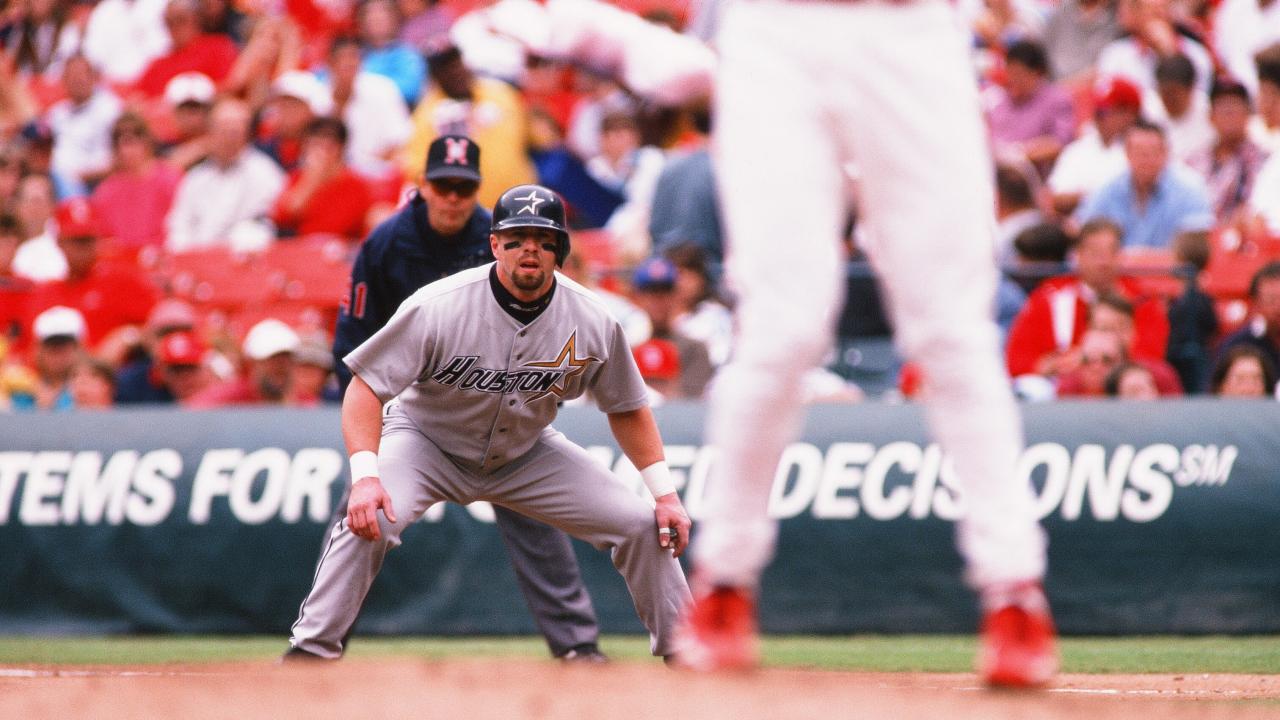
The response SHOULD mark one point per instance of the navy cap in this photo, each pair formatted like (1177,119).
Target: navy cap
(656,273)
(453,156)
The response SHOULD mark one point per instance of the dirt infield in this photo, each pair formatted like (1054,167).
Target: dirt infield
(540,689)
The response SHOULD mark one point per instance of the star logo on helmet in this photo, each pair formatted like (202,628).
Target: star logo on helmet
(533,200)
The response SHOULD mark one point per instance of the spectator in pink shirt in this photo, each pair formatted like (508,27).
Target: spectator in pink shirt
(1032,116)
(132,202)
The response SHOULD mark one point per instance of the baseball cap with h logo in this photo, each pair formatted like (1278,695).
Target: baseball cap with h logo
(453,156)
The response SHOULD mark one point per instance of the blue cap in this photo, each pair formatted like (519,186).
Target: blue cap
(656,273)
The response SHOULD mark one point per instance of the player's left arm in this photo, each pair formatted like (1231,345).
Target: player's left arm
(637,434)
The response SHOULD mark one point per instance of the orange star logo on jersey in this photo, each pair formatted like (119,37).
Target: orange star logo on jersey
(569,361)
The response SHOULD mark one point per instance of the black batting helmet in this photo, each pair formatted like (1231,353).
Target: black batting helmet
(532,206)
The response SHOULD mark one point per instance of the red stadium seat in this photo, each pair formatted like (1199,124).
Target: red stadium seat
(309,271)
(216,278)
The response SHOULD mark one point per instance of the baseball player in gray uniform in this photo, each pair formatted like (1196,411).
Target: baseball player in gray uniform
(471,370)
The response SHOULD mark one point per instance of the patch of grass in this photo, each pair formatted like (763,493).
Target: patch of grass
(905,653)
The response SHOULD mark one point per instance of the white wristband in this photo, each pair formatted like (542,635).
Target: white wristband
(657,477)
(364,464)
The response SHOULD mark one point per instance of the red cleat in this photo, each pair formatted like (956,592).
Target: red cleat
(1019,643)
(719,632)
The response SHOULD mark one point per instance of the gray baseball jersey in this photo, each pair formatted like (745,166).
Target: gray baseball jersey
(482,385)
(475,393)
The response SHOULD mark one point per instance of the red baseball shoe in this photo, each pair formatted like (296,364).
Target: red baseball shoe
(1019,643)
(718,631)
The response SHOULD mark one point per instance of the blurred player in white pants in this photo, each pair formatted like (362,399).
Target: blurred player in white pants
(803,89)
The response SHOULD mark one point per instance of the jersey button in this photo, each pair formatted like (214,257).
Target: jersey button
(511,402)
(520,356)
(523,333)
(502,430)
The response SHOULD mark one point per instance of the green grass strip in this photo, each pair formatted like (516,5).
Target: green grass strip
(906,653)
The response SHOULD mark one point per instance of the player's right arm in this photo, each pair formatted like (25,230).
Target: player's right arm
(362,430)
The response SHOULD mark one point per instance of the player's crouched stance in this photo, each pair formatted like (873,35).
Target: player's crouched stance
(473,368)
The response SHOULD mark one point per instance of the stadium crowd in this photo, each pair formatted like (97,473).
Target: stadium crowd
(185,183)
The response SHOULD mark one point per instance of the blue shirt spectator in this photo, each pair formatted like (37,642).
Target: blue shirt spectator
(1152,202)
(384,54)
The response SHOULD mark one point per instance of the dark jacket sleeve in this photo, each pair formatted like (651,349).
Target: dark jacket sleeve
(364,311)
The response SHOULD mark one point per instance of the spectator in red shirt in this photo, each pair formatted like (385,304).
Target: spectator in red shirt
(1044,336)
(323,195)
(269,358)
(192,50)
(15,291)
(189,97)
(132,202)
(108,295)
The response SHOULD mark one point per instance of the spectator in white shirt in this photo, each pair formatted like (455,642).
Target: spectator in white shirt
(373,110)
(225,199)
(81,126)
(123,36)
(1186,108)
(39,258)
(1242,28)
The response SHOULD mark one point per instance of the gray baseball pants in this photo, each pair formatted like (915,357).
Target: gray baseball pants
(546,570)
(556,482)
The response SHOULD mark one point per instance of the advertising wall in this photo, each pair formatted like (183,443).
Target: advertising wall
(1162,517)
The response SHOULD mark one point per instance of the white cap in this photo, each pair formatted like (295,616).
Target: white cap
(59,321)
(268,338)
(305,87)
(189,87)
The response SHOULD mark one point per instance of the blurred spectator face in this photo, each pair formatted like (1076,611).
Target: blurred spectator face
(691,287)
(619,136)
(228,130)
(92,385)
(79,79)
(34,203)
(1106,318)
(1097,259)
(344,66)
(451,74)
(322,150)
(379,22)
(1021,81)
(1100,353)
(191,120)
(184,381)
(1137,383)
(1147,155)
(132,144)
(182,20)
(56,356)
(273,375)
(1134,15)
(1244,378)
(660,305)
(1267,302)
(1175,97)
(1115,121)
(309,380)
(81,252)
(450,202)
(1230,117)
(292,115)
